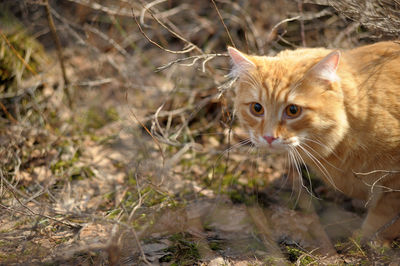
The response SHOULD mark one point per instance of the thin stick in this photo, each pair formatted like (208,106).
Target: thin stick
(223,23)
(387,225)
(303,36)
(148,131)
(158,45)
(280,23)
(377,171)
(206,57)
(59,50)
(8,114)
(189,43)
(17,54)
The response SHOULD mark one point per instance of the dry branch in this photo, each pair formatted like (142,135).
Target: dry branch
(186,50)
(59,50)
(223,23)
(380,16)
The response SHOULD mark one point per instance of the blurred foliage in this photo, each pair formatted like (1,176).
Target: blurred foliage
(14,41)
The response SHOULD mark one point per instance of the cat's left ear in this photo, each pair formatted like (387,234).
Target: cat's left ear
(326,68)
(240,62)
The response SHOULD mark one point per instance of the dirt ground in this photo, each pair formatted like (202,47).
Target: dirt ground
(136,158)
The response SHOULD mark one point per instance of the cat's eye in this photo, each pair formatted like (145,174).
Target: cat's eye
(256,109)
(292,111)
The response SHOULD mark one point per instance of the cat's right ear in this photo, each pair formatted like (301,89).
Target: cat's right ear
(240,62)
(326,68)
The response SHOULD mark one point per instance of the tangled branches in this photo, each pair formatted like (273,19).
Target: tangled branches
(380,16)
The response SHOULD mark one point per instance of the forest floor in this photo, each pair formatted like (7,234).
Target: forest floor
(148,166)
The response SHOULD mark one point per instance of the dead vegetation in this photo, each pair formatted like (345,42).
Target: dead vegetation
(146,164)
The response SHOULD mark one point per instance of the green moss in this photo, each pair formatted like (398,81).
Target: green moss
(110,196)
(68,166)
(299,256)
(237,197)
(62,240)
(113,213)
(97,117)
(64,165)
(183,251)
(215,245)
(81,173)
(131,179)
(155,197)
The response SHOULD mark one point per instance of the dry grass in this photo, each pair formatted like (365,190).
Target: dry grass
(147,165)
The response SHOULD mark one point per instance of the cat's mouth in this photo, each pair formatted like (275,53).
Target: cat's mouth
(278,145)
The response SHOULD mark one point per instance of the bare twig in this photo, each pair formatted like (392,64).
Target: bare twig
(352,27)
(17,54)
(59,50)
(386,226)
(223,23)
(148,131)
(147,7)
(205,57)
(109,10)
(107,39)
(8,114)
(190,48)
(94,83)
(376,184)
(302,34)
(380,16)
(189,43)
(377,171)
(280,23)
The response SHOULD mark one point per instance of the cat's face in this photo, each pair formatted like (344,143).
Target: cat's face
(287,103)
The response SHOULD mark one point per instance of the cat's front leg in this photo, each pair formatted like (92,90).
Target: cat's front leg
(383,218)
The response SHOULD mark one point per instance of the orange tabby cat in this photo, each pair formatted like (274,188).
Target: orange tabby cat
(337,112)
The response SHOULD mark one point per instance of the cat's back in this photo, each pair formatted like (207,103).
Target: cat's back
(364,59)
(374,51)
(370,80)
(378,63)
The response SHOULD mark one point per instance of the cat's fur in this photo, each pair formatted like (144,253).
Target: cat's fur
(348,130)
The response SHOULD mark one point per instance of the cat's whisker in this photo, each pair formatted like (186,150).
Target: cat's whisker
(287,166)
(251,80)
(320,166)
(289,170)
(248,151)
(251,83)
(317,162)
(296,167)
(316,141)
(297,84)
(291,174)
(253,162)
(235,146)
(209,134)
(309,190)
(325,160)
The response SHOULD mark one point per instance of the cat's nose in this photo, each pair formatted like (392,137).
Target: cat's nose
(269,139)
